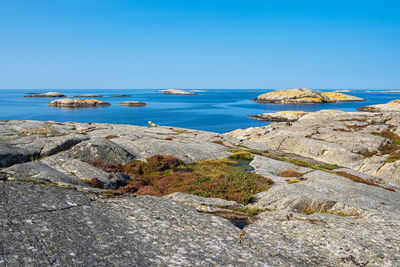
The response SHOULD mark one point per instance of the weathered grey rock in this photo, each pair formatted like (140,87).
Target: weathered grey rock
(47,146)
(48,94)
(85,171)
(99,149)
(204,203)
(186,150)
(51,226)
(40,172)
(323,237)
(133,104)
(282,116)
(272,168)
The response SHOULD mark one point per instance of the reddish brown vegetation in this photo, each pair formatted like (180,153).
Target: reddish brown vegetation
(106,166)
(94,182)
(111,136)
(358,179)
(162,175)
(219,142)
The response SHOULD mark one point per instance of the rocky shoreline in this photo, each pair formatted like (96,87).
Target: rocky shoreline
(302,211)
(365,142)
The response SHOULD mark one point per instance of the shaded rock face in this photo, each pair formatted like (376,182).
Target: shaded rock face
(303,96)
(133,104)
(10,155)
(354,140)
(313,215)
(392,106)
(48,94)
(70,102)
(176,92)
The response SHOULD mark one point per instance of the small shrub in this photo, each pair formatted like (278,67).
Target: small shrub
(290,173)
(148,190)
(389,149)
(167,138)
(368,154)
(106,166)
(242,156)
(219,142)
(111,136)
(328,166)
(356,127)
(295,180)
(94,182)
(162,162)
(393,157)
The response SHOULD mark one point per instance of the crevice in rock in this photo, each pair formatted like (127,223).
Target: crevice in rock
(238,219)
(280,144)
(50,210)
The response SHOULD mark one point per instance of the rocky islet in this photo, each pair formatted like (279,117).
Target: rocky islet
(303,96)
(76,103)
(133,104)
(176,92)
(48,94)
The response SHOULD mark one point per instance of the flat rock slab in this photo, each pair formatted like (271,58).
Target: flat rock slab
(185,151)
(197,201)
(46,225)
(40,172)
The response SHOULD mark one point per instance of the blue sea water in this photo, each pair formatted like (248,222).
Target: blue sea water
(220,110)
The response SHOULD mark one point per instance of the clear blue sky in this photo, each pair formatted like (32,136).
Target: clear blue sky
(199,44)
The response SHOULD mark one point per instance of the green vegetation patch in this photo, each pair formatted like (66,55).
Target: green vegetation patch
(244,155)
(162,175)
(393,149)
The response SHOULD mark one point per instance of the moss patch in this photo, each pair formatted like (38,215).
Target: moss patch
(290,173)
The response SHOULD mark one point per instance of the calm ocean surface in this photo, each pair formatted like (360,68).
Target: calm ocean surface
(220,110)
